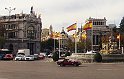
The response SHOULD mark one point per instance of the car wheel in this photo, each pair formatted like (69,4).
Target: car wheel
(62,65)
(76,64)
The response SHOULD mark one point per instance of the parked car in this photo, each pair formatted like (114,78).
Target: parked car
(29,58)
(1,56)
(41,57)
(6,54)
(50,55)
(8,57)
(64,62)
(36,57)
(19,58)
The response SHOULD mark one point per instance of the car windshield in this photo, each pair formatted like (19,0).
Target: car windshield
(30,56)
(20,55)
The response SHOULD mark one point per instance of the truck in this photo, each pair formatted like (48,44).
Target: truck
(25,52)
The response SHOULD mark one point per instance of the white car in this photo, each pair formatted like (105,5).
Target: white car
(29,58)
(19,58)
(50,55)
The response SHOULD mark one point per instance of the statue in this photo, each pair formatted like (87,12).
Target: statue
(31,10)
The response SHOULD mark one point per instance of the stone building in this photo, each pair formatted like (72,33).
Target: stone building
(45,34)
(63,39)
(99,29)
(22,31)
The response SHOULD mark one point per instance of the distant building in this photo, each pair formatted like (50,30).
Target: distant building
(22,31)
(45,34)
(63,39)
(99,29)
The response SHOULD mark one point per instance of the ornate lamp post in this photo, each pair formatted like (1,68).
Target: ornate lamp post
(10,10)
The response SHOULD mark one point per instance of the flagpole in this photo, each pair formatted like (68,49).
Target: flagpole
(92,39)
(73,27)
(59,46)
(75,43)
(119,40)
(54,42)
(92,42)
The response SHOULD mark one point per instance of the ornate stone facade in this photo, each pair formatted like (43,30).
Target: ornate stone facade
(99,29)
(22,31)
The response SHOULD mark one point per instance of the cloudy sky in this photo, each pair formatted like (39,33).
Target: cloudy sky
(62,13)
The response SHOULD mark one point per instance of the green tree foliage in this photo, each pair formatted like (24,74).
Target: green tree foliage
(98,57)
(56,56)
(81,46)
(2,31)
(122,25)
(70,45)
(2,40)
(49,44)
(67,54)
(88,44)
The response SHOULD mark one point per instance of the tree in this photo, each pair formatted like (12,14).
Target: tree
(49,44)
(122,25)
(70,45)
(67,54)
(81,46)
(98,57)
(2,39)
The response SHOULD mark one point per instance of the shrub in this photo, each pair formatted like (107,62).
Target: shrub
(98,57)
(67,54)
(55,56)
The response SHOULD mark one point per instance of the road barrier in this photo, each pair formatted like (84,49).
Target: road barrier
(89,58)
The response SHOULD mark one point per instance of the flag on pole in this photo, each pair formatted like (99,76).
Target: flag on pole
(72,27)
(87,26)
(84,36)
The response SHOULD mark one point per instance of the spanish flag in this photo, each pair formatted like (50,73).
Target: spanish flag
(87,26)
(72,27)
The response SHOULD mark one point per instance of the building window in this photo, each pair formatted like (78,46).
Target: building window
(30,32)
(11,35)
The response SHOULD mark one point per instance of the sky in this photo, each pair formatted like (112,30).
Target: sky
(63,13)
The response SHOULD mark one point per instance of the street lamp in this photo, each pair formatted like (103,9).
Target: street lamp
(10,9)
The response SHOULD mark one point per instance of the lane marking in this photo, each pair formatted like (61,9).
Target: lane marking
(104,69)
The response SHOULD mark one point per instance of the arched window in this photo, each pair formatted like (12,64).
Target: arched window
(31,32)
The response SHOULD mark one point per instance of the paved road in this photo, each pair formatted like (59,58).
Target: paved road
(49,70)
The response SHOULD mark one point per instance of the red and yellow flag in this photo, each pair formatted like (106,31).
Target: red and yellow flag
(72,27)
(87,26)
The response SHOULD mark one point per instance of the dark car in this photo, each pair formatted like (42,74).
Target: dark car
(64,62)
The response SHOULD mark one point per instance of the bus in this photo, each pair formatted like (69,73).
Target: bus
(6,54)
